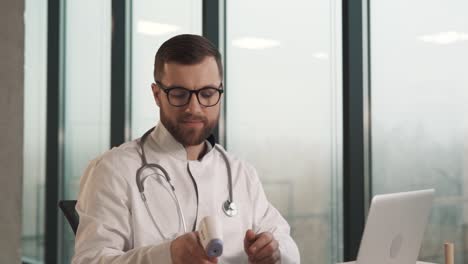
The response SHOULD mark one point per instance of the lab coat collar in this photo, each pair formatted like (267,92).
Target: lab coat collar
(164,139)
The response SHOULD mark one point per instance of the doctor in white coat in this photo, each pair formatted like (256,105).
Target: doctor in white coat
(142,201)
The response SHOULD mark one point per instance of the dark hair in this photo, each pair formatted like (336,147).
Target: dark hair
(185,49)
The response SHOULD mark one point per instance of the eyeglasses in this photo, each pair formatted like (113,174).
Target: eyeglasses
(180,96)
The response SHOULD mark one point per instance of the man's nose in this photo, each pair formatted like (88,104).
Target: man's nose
(193,105)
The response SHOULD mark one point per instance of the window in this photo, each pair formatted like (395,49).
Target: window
(419,105)
(86,128)
(283,112)
(153,23)
(35,92)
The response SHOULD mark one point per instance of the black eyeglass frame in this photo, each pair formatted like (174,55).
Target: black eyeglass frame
(166,89)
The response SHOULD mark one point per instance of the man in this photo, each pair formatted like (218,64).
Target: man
(120,225)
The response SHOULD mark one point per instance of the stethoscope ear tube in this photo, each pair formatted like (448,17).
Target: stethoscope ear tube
(144,164)
(141,143)
(141,187)
(139,183)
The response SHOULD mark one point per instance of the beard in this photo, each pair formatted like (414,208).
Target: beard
(188,136)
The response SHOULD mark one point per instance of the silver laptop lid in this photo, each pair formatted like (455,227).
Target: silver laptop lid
(395,227)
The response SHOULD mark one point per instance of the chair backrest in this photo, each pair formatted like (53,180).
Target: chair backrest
(68,209)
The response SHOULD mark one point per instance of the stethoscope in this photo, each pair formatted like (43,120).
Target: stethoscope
(229,207)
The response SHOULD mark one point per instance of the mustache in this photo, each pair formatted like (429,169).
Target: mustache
(191,117)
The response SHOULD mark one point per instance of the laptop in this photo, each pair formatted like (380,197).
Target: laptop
(395,228)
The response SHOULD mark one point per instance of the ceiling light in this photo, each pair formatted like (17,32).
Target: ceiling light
(444,38)
(255,43)
(155,29)
(320,55)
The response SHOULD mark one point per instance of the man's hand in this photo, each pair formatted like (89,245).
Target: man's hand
(261,248)
(187,249)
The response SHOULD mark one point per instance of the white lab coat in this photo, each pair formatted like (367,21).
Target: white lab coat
(115,226)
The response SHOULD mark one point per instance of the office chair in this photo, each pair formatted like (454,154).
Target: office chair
(69,211)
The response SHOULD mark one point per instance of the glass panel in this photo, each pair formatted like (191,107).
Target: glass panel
(150,30)
(419,105)
(35,92)
(87,95)
(284,112)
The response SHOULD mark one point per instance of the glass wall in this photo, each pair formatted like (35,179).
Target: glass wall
(86,128)
(419,104)
(35,91)
(153,22)
(283,112)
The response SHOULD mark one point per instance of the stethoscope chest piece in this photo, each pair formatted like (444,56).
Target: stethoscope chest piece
(230,208)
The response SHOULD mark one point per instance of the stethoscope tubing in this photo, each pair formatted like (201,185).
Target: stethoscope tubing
(228,206)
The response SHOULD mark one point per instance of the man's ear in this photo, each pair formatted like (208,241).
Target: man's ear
(156,93)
